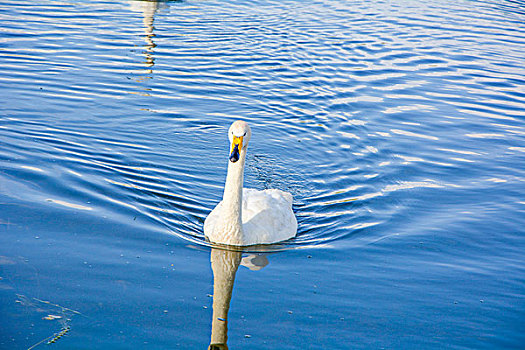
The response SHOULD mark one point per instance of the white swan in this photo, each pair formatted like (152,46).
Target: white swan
(246,216)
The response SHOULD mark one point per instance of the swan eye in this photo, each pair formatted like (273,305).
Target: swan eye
(244,134)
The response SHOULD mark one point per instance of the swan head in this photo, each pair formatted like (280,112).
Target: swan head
(239,135)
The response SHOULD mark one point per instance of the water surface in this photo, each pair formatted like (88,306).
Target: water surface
(397,126)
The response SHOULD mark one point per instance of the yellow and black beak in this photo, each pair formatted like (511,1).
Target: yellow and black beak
(236,148)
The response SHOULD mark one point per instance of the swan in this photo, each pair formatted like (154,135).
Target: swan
(246,216)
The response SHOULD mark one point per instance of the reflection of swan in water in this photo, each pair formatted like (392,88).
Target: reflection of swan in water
(246,216)
(148,9)
(224,264)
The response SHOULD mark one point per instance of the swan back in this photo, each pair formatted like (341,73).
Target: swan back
(267,216)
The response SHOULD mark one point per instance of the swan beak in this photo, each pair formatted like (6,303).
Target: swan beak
(236,147)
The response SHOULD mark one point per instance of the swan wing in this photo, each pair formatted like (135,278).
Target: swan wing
(267,216)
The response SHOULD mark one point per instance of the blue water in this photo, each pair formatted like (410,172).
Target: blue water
(398,126)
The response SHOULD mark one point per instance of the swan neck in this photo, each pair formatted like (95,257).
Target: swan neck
(232,199)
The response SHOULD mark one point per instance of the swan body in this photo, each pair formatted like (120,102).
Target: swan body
(267,217)
(247,216)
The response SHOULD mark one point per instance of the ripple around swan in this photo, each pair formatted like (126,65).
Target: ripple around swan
(355,112)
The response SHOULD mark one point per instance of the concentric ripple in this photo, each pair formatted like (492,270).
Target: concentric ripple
(379,117)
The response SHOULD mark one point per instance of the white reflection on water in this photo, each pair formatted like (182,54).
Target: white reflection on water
(149,10)
(224,264)
(70,205)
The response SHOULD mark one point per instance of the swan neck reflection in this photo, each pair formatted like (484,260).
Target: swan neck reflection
(224,264)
